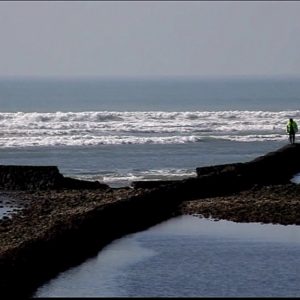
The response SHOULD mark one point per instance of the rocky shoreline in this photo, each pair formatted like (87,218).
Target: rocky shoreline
(64,221)
(276,204)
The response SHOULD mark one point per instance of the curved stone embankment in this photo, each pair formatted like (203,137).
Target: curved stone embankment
(63,224)
(276,167)
(277,204)
(60,229)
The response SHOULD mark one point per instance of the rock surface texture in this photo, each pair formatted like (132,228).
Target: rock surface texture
(40,178)
(65,220)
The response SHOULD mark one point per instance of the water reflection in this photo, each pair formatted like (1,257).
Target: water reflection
(189,256)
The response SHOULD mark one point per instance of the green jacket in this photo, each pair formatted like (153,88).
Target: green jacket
(291,127)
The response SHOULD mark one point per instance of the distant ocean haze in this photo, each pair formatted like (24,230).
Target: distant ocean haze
(161,94)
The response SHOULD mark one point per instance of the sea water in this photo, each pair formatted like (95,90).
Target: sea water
(121,130)
(117,131)
(190,257)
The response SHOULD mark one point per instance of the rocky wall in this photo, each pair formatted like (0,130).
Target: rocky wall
(77,236)
(14,177)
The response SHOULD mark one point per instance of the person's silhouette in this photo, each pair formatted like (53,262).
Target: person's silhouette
(291,129)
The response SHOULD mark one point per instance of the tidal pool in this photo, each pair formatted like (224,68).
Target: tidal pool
(189,256)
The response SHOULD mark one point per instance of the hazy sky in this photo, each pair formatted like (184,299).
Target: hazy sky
(149,38)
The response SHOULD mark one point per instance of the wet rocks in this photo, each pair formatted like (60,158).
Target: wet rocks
(64,220)
(276,204)
(61,228)
(150,184)
(41,178)
(276,167)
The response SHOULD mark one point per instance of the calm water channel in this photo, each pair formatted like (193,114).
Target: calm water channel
(190,256)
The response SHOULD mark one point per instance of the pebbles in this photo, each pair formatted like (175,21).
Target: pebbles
(277,204)
(43,209)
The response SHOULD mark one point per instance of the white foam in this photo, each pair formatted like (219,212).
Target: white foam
(118,178)
(95,128)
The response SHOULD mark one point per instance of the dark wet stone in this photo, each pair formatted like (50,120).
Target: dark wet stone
(41,178)
(65,221)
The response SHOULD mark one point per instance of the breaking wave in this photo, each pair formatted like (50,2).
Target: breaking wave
(93,128)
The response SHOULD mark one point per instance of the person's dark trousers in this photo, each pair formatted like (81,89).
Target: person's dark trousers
(292,137)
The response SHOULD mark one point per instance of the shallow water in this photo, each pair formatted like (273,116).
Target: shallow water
(8,206)
(190,256)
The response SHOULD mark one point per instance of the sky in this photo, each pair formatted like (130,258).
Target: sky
(149,38)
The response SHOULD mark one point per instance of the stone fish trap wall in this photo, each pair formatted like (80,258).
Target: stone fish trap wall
(23,268)
(74,238)
(273,168)
(14,177)
(276,167)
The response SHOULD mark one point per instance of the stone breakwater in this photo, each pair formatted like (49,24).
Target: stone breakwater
(60,229)
(277,204)
(40,178)
(62,224)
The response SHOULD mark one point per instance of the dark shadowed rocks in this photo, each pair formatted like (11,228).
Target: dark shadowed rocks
(41,178)
(65,220)
(150,184)
(273,168)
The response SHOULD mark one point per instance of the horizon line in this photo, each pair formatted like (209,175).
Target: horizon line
(149,77)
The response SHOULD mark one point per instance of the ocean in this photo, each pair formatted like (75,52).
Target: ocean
(121,130)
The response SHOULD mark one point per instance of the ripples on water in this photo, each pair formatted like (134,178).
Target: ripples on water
(189,256)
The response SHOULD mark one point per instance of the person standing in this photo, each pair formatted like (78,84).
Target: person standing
(291,129)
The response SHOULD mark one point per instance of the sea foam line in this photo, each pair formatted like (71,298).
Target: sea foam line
(96,128)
